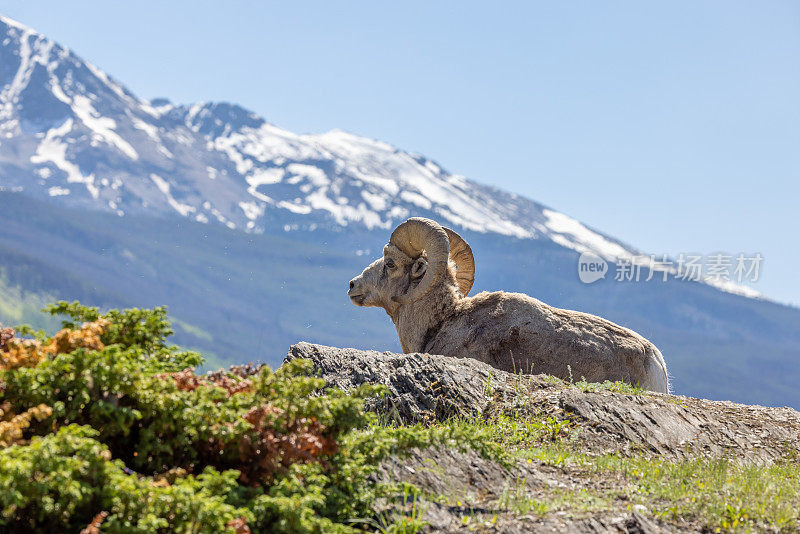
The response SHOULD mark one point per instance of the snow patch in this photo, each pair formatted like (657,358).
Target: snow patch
(343,213)
(13,23)
(263,177)
(117,88)
(377,202)
(295,208)
(398,212)
(252,210)
(102,126)
(58,191)
(55,88)
(10,95)
(149,129)
(163,186)
(416,199)
(316,176)
(582,239)
(53,150)
(732,287)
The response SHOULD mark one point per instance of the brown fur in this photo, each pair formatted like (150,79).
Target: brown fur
(509,331)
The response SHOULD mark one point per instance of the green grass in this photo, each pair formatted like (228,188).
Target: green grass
(18,306)
(192,330)
(405,520)
(596,387)
(517,500)
(718,494)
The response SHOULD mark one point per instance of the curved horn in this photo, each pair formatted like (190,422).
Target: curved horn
(461,254)
(414,236)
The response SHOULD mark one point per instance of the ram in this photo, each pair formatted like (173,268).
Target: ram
(422,281)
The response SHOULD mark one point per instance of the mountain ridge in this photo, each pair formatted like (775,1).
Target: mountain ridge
(219,162)
(334,177)
(250,232)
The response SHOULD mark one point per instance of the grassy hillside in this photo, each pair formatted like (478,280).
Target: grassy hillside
(250,294)
(18,306)
(28,282)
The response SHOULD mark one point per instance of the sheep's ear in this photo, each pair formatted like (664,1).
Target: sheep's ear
(419,267)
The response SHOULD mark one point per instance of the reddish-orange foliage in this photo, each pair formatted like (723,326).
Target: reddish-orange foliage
(12,426)
(244,371)
(85,337)
(186,380)
(168,478)
(21,353)
(15,353)
(6,334)
(231,386)
(274,444)
(94,526)
(239,525)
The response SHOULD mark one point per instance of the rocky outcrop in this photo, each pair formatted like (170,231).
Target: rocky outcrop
(465,492)
(421,387)
(424,387)
(476,487)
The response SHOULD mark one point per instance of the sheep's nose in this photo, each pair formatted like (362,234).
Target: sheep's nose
(352,284)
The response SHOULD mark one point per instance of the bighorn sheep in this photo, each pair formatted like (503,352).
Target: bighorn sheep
(422,281)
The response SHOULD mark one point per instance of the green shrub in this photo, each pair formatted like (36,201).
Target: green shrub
(61,480)
(137,435)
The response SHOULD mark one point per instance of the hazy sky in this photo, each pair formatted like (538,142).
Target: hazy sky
(673,127)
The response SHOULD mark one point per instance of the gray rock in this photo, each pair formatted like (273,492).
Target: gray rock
(428,388)
(477,485)
(421,387)
(465,492)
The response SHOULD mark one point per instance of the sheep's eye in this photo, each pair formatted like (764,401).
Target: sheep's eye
(390,263)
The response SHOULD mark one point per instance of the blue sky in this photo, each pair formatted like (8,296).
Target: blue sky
(674,127)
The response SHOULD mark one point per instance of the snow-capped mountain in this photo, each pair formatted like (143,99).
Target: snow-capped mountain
(105,182)
(71,133)
(75,136)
